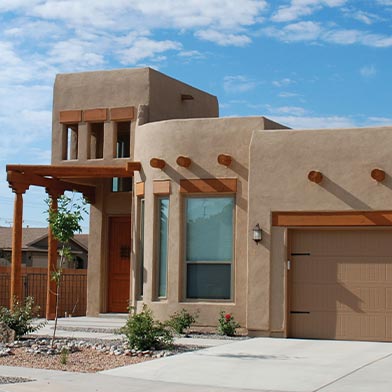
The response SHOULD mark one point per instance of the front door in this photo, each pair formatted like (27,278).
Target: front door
(119,263)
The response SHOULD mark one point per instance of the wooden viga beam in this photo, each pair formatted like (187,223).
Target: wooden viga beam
(183,161)
(52,185)
(225,159)
(378,175)
(157,163)
(315,176)
(79,171)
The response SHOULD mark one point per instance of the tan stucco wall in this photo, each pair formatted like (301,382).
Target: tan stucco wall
(160,94)
(202,140)
(90,90)
(165,99)
(160,98)
(279,164)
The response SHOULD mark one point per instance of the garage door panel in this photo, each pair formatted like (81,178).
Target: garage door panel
(345,292)
(344,242)
(347,269)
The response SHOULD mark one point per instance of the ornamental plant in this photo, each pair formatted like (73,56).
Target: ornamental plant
(143,332)
(64,222)
(226,324)
(181,321)
(21,317)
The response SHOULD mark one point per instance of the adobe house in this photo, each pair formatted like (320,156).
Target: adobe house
(289,230)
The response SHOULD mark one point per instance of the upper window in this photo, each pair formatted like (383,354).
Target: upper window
(96,140)
(123,139)
(209,247)
(70,141)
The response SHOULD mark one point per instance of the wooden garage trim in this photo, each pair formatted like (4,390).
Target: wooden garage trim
(341,218)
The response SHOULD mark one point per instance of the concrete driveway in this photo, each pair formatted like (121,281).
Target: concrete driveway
(276,365)
(261,364)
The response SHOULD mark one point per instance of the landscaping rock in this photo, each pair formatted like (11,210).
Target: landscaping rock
(7,335)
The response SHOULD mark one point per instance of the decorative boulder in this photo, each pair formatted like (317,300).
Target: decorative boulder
(7,335)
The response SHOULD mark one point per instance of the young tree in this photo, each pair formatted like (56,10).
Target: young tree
(64,223)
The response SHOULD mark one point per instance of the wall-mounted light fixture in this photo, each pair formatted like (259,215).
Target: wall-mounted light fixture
(257,234)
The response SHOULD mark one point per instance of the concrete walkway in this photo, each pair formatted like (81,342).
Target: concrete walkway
(259,364)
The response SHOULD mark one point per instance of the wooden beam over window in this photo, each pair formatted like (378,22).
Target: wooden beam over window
(209,185)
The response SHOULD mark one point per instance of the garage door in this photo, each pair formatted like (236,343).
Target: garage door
(341,284)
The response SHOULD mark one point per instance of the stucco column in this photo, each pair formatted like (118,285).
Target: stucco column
(16,265)
(52,265)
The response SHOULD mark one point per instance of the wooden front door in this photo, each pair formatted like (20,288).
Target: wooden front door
(119,264)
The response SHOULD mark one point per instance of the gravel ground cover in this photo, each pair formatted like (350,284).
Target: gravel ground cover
(81,355)
(13,380)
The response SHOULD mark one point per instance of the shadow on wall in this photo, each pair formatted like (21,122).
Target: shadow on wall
(343,194)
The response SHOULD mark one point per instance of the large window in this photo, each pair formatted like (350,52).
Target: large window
(209,247)
(163,216)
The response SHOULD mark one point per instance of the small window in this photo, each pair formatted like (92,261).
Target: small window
(123,145)
(163,222)
(122,184)
(96,140)
(209,247)
(70,141)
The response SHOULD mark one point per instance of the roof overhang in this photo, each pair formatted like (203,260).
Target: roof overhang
(60,178)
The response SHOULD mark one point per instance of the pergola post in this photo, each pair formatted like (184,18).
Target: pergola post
(52,264)
(16,261)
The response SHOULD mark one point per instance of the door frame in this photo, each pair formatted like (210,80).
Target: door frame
(109,219)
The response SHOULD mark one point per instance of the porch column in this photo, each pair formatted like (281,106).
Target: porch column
(52,265)
(16,261)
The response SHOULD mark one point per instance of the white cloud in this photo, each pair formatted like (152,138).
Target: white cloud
(145,48)
(314,32)
(290,110)
(238,84)
(223,38)
(362,16)
(299,8)
(385,2)
(288,94)
(368,71)
(283,82)
(349,37)
(379,121)
(315,122)
(301,31)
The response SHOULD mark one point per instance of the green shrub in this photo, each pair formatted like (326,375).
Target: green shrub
(145,333)
(64,355)
(226,324)
(182,320)
(21,318)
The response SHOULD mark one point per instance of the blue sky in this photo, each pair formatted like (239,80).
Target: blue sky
(304,63)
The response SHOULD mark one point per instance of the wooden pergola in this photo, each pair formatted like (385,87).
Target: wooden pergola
(56,179)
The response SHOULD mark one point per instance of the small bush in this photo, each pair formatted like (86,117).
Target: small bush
(20,319)
(226,324)
(64,355)
(182,320)
(145,333)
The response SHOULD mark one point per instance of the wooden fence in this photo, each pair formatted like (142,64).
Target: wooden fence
(73,290)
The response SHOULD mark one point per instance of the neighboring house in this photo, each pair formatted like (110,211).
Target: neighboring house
(35,248)
(178,196)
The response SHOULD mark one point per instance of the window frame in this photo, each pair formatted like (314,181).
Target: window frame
(157,274)
(185,262)
(141,205)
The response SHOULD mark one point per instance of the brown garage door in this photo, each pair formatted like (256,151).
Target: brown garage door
(341,284)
